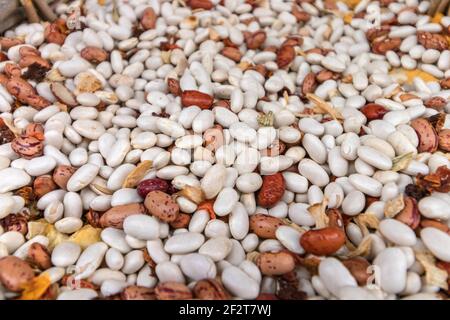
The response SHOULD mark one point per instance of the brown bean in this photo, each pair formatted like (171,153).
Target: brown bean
(14,273)
(444,140)
(265,226)
(210,289)
(15,222)
(410,213)
(285,56)
(148,20)
(182,221)
(162,206)
(43,185)
(28,60)
(430,223)
(172,291)
(94,55)
(12,70)
(39,256)
(428,138)
(358,267)
(138,293)
(275,263)
(232,53)
(7,43)
(114,217)
(324,241)
(27,147)
(62,174)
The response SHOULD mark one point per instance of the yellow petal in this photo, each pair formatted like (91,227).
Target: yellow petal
(54,236)
(86,236)
(403,75)
(34,289)
(437,18)
(348,17)
(351,3)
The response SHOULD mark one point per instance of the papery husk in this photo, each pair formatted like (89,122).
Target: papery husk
(193,194)
(318,211)
(363,249)
(244,65)
(324,107)
(402,161)
(54,236)
(99,187)
(434,276)
(115,12)
(394,206)
(86,236)
(87,82)
(36,287)
(136,175)
(36,228)
(11,127)
(107,97)
(253,256)
(293,225)
(365,220)
(213,34)
(165,56)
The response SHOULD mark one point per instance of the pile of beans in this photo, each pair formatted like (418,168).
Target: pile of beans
(232,149)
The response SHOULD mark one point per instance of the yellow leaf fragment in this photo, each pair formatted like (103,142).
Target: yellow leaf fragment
(437,17)
(402,161)
(318,211)
(394,206)
(36,287)
(193,194)
(54,236)
(351,3)
(348,16)
(434,276)
(86,236)
(401,75)
(136,175)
